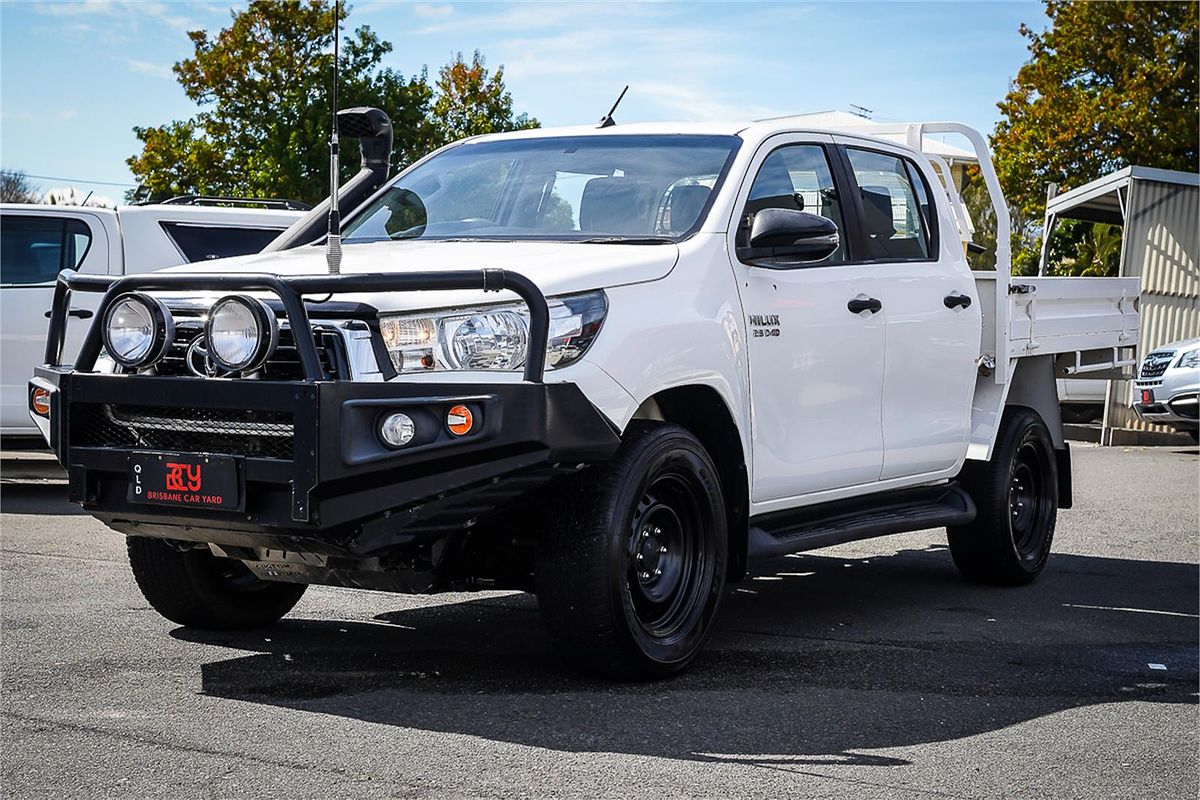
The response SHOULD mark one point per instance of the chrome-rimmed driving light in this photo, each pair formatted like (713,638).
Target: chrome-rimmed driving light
(138,330)
(241,333)
(397,429)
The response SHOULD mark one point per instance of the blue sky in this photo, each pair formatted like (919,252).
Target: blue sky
(75,77)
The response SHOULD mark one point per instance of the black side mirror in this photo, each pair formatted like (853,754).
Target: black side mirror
(787,235)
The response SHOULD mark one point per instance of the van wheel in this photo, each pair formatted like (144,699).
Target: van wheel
(1016,494)
(629,572)
(200,590)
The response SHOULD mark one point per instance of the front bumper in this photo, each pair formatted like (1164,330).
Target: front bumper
(337,489)
(1173,399)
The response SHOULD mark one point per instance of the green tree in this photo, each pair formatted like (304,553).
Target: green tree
(263,88)
(472,101)
(1107,85)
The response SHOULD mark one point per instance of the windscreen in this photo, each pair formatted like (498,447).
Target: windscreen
(581,188)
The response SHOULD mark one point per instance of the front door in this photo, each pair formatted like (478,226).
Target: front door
(34,248)
(814,339)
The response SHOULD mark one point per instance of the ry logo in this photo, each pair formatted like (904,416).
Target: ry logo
(183,477)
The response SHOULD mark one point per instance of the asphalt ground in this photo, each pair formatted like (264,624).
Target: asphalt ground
(868,670)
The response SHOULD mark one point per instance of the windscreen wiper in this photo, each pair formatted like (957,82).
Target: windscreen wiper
(628,240)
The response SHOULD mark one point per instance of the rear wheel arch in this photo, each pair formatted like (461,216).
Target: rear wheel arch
(705,414)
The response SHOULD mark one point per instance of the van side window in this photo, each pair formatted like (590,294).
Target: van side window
(34,250)
(204,242)
(895,221)
(797,177)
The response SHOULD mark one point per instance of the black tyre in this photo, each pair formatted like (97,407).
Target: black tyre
(630,572)
(1016,494)
(200,590)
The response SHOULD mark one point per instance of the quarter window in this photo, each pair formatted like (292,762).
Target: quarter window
(34,250)
(796,177)
(895,214)
(205,242)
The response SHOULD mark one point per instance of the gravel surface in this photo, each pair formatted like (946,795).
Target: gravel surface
(867,670)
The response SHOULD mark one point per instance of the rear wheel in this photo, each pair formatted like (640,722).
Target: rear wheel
(1016,494)
(630,571)
(200,590)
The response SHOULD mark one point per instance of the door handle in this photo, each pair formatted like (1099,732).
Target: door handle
(862,303)
(956,300)
(78,313)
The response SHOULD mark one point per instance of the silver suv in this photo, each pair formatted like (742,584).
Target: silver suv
(1168,385)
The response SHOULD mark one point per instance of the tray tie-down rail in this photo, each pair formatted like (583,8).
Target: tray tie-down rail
(290,291)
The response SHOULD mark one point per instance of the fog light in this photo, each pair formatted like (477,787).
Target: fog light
(460,420)
(397,430)
(40,402)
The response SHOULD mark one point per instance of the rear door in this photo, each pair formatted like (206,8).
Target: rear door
(35,246)
(930,308)
(816,365)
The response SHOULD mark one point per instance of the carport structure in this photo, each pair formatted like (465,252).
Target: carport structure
(1159,211)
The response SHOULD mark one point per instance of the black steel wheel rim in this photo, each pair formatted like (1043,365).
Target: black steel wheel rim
(1029,500)
(669,562)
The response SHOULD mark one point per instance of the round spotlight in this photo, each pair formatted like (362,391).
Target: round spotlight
(241,333)
(397,429)
(138,330)
(460,420)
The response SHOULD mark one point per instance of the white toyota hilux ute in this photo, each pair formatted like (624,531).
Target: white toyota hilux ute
(608,366)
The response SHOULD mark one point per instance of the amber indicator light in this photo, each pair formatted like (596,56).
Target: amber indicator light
(460,420)
(40,402)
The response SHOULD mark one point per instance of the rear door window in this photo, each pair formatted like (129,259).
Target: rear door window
(206,242)
(895,213)
(33,249)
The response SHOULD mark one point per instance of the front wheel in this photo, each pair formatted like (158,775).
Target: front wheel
(1016,494)
(200,590)
(630,570)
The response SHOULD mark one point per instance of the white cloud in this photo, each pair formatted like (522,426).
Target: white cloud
(694,103)
(179,16)
(431,11)
(67,113)
(150,68)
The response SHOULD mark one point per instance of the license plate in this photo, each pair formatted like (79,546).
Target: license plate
(188,481)
(1147,396)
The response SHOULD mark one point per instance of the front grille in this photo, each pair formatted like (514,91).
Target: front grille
(1156,364)
(261,434)
(283,365)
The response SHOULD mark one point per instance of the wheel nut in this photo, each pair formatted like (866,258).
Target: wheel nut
(640,557)
(645,576)
(662,549)
(657,572)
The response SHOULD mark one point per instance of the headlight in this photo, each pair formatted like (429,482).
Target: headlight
(241,333)
(492,338)
(138,329)
(1190,359)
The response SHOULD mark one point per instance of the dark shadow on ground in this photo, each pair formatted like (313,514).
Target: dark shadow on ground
(816,659)
(45,499)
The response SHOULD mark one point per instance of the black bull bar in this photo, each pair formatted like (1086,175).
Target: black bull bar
(342,487)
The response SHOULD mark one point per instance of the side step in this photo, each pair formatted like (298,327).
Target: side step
(841,521)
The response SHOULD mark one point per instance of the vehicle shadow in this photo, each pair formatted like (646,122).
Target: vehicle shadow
(814,660)
(37,498)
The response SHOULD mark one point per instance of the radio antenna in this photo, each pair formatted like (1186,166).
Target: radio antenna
(607,120)
(333,242)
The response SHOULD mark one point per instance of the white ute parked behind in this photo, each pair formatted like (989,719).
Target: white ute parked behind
(38,241)
(716,342)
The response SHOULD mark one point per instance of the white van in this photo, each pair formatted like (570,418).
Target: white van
(38,241)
